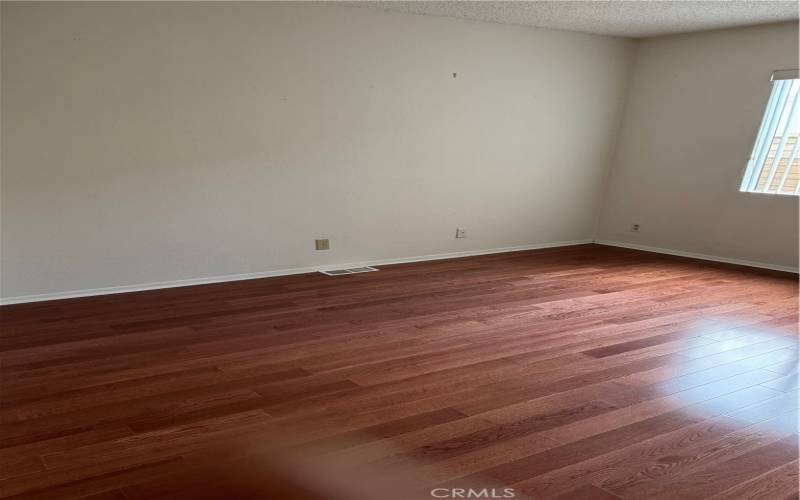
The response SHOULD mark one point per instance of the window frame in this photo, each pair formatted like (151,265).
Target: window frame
(777,105)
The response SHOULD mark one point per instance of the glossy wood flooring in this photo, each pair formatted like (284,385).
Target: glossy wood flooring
(583,372)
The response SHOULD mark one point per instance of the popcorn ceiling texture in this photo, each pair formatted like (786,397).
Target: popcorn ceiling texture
(635,19)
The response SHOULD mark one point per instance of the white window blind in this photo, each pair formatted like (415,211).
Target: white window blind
(774,166)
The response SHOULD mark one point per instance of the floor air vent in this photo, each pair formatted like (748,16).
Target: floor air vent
(352,270)
(366,269)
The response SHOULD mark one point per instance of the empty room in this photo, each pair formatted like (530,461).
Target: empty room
(399,250)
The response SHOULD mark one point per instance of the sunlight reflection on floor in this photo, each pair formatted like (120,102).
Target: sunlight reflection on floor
(747,375)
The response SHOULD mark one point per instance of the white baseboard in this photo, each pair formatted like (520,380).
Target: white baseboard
(701,256)
(268,274)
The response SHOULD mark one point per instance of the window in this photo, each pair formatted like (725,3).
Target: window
(774,166)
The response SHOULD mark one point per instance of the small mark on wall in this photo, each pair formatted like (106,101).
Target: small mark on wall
(455,74)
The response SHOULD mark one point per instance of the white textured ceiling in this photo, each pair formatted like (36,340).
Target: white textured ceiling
(620,18)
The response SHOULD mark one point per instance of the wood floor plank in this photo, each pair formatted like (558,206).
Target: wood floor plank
(654,462)
(588,492)
(575,372)
(778,484)
(704,461)
(728,474)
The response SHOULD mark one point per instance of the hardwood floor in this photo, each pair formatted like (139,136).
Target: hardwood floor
(579,372)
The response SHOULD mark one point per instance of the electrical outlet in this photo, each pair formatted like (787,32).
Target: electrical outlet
(322,244)
(461,232)
(635,228)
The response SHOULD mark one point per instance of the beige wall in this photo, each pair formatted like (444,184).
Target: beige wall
(150,142)
(145,142)
(694,107)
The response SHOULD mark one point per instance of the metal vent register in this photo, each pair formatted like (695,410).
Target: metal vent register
(352,270)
